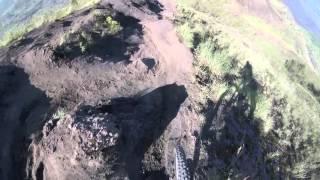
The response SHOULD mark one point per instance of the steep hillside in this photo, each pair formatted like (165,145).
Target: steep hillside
(228,36)
(112,92)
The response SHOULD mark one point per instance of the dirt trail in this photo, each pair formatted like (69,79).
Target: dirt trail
(161,34)
(176,58)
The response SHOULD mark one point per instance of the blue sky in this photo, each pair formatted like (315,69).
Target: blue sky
(4,5)
(306,13)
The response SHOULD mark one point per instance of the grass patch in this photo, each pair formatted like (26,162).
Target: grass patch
(284,59)
(60,114)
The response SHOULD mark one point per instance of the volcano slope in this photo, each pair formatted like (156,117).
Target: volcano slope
(108,92)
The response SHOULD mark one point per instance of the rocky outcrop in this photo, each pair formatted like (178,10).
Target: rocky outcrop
(116,139)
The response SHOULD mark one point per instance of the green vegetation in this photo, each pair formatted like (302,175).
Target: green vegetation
(106,25)
(85,40)
(112,25)
(18,31)
(72,43)
(60,114)
(283,59)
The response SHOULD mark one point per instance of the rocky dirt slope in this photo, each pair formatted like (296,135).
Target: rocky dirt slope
(113,111)
(109,92)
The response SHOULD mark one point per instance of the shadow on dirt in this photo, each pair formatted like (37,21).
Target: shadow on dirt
(142,121)
(93,45)
(153,5)
(159,108)
(22,112)
(149,62)
(231,134)
(25,41)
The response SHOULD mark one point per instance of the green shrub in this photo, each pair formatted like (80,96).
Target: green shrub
(60,114)
(105,24)
(85,41)
(112,26)
(83,46)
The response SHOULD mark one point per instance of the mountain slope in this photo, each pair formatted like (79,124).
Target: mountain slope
(226,36)
(109,92)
